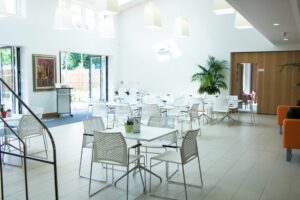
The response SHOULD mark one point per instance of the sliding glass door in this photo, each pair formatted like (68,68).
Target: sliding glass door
(86,74)
(9,74)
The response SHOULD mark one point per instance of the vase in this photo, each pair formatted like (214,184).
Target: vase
(128,128)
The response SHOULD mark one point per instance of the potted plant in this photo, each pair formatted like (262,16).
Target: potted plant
(129,125)
(211,79)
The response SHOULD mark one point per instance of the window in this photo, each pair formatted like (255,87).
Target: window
(16,7)
(76,15)
(89,19)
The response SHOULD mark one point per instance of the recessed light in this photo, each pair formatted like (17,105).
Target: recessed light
(276,24)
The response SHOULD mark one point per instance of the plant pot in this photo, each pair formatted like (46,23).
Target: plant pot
(3,114)
(128,128)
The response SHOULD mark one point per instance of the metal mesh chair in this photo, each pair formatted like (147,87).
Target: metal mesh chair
(29,127)
(162,122)
(89,126)
(149,110)
(192,115)
(188,152)
(101,110)
(111,149)
(122,113)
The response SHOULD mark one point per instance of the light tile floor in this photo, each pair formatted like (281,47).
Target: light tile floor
(239,161)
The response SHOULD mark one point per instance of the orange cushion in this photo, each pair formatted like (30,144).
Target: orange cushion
(291,133)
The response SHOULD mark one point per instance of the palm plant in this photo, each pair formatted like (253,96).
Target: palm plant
(211,79)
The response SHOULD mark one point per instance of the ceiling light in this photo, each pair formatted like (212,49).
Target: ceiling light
(285,36)
(276,24)
(182,27)
(107,7)
(152,16)
(3,8)
(63,16)
(221,7)
(107,27)
(241,23)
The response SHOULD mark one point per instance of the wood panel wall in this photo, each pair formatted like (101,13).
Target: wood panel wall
(273,87)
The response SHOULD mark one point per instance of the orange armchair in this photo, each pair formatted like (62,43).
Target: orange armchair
(281,114)
(291,136)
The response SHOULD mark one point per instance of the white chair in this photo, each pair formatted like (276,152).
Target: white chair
(221,105)
(89,126)
(100,110)
(111,149)
(122,113)
(190,117)
(162,122)
(149,110)
(29,128)
(187,152)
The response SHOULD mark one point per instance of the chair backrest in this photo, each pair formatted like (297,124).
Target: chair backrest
(189,145)
(91,125)
(220,104)
(110,147)
(29,126)
(163,122)
(193,112)
(99,110)
(123,110)
(149,110)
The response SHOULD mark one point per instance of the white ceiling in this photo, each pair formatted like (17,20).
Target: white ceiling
(262,14)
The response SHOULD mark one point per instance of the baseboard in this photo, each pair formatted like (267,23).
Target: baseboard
(50,115)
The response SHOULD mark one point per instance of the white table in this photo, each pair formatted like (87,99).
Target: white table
(147,134)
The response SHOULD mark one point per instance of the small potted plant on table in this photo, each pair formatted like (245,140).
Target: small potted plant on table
(129,125)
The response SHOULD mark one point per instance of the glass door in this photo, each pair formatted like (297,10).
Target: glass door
(9,74)
(95,80)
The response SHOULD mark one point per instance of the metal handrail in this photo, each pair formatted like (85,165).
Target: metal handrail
(54,162)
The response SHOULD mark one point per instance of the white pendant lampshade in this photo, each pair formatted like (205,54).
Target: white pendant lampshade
(241,23)
(107,27)
(107,7)
(63,17)
(221,7)
(152,16)
(182,27)
(3,8)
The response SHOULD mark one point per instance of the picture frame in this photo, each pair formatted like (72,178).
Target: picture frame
(43,72)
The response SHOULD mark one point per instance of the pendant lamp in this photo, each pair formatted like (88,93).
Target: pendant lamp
(107,7)
(221,7)
(152,16)
(182,27)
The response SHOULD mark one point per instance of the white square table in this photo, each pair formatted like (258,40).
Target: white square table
(147,134)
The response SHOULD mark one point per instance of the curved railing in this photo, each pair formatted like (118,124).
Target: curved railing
(24,155)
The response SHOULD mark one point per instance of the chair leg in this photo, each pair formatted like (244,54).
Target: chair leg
(80,161)
(127,183)
(185,191)
(45,146)
(90,181)
(150,174)
(288,154)
(200,171)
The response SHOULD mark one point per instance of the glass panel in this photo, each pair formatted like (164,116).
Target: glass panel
(75,73)
(95,77)
(89,19)
(7,74)
(76,15)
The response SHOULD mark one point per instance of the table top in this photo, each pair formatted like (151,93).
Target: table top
(14,117)
(147,133)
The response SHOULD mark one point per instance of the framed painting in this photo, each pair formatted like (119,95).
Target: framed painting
(44,72)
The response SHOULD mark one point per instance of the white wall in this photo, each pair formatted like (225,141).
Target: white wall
(35,34)
(210,35)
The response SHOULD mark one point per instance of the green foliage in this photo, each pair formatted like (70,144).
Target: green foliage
(6,56)
(73,61)
(211,79)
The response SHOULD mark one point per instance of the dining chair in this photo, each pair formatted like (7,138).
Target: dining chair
(161,122)
(187,152)
(122,113)
(89,126)
(111,149)
(29,128)
(190,117)
(100,109)
(221,105)
(149,110)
